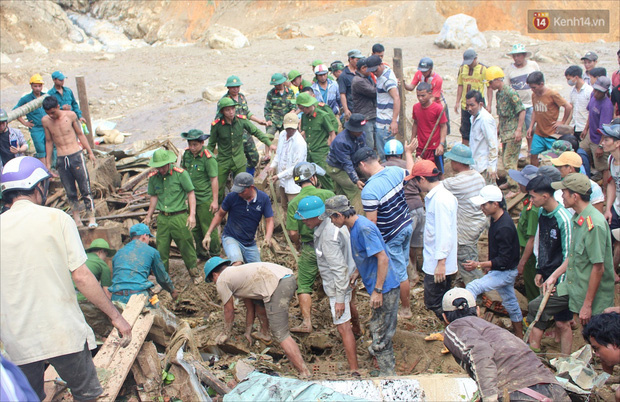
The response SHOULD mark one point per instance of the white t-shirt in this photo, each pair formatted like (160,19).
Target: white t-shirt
(580,100)
(614,170)
(40,316)
(516,78)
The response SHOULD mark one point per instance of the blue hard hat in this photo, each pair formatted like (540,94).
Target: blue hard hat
(212,264)
(393,147)
(309,207)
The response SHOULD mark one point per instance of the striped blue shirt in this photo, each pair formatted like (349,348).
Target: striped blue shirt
(384,193)
(385,103)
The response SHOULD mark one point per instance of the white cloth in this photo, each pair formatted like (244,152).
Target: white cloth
(471,221)
(346,316)
(40,315)
(483,141)
(290,152)
(596,197)
(580,100)
(440,234)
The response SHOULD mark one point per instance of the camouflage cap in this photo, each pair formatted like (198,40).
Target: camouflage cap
(336,204)
(194,135)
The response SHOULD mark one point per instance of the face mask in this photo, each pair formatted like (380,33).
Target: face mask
(571,83)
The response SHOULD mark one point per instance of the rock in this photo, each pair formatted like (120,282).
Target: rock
(349,28)
(36,47)
(318,340)
(495,42)
(288,31)
(214,94)
(304,47)
(222,37)
(4,59)
(460,31)
(111,36)
(242,370)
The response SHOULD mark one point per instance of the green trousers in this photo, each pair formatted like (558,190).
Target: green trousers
(344,186)
(529,273)
(174,227)
(320,159)
(203,219)
(510,159)
(307,269)
(224,168)
(250,151)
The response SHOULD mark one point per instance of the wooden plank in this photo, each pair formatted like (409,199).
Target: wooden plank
(398,71)
(147,372)
(514,201)
(121,363)
(59,193)
(209,379)
(112,344)
(83,97)
(119,216)
(131,183)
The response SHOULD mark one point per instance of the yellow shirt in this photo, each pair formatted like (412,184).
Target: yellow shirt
(471,79)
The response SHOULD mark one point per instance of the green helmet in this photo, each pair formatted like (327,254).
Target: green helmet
(101,244)
(225,102)
(233,81)
(306,100)
(293,74)
(277,79)
(316,63)
(309,207)
(162,157)
(3,115)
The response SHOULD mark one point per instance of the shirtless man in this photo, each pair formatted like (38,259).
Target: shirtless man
(61,129)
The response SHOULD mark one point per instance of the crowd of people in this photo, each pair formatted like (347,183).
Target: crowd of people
(358,204)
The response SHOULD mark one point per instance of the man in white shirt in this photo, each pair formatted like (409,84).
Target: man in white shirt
(579,98)
(292,149)
(483,136)
(440,235)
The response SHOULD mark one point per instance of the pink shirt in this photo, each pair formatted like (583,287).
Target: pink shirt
(434,79)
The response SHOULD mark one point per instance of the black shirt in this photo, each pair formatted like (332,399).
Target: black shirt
(344,86)
(5,152)
(503,244)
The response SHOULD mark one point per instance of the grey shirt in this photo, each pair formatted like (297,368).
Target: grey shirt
(470,219)
(364,94)
(334,259)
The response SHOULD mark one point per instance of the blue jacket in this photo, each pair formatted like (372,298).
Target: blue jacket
(333,95)
(67,98)
(132,266)
(342,149)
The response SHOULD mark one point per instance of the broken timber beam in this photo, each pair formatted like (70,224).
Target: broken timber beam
(209,379)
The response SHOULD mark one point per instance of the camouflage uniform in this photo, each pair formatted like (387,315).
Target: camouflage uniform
(276,106)
(249,146)
(509,106)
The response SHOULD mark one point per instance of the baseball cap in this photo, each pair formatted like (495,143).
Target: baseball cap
(550,171)
(355,53)
(372,63)
(469,56)
(425,64)
(611,130)
(576,182)
(569,158)
(139,229)
(590,56)
(423,168)
(242,181)
(356,123)
(602,83)
(488,194)
(447,304)
(57,75)
(525,175)
(362,62)
(290,120)
(363,154)
(336,204)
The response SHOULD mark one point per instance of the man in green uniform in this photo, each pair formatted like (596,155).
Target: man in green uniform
(96,254)
(227,135)
(280,100)
(305,177)
(170,188)
(325,107)
(233,83)
(297,82)
(202,169)
(318,132)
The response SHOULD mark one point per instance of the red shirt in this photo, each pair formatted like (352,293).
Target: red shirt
(426,119)
(434,79)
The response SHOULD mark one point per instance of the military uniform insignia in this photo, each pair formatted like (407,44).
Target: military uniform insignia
(215,122)
(241,116)
(526,201)
(321,104)
(153,173)
(178,169)
(589,222)
(580,221)
(207,153)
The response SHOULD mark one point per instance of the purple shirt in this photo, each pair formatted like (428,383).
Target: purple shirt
(600,112)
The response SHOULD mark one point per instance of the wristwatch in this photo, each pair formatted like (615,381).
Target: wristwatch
(378,290)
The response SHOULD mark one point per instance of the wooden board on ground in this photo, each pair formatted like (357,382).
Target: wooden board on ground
(514,201)
(111,235)
(147,372)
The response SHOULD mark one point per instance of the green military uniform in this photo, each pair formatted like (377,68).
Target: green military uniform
(307,268)
(229,140)
(171,192)
(249,147)
(276,106)
(330,113)
(202,169)
(526,228)
(95,318)
(590,244)
(509,106)
(317,127)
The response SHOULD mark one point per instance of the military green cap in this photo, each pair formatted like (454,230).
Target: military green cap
(101,244)
(306,100)
(233,81)
(162,157)
(576,182)
(336,66)
(316,63)
(3,115)
(225,102)
(277,79)
(194,134)
(293,74)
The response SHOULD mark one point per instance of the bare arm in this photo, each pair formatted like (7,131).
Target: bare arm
(217,219)
(372,216)
(25,122)
(527,252)
(489,99)
(610,191)
(191,201)
(332,136)
(49,147)
(519,131)
(459,94)
(568,112)
(77,127)
(229,318)
(268,229)
(395,111)
(151,210)
(215,188)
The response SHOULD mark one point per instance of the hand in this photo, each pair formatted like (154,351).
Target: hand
(206,242)
(518,136)
(583,134)
(549,283)
(303,134)
(92,158)
(262,122)
(339,309)
(360,184)
(347,114)
(612,310)
(191,221)
(470,265)
(266,242)
(440,272)
(273,147)
(221,338)
(124,330)
(439,150)
(456,108)
(608,216)
(13,150)
(394,128)
(353,278)
(82,120)
(213,207)
(599,152)
(556,124)
(376,299)
(174,295)
(520,269)
(268,124)
(538,280)
(411,146)
(274,178)
(66,107)
(585,314)
(147,220)
(529,134)
(29,124)
(492,175)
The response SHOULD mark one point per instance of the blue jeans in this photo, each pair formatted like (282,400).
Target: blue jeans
(528,118)
(382,135)
(238,252)
(504,283)
(369,132)
(398,251)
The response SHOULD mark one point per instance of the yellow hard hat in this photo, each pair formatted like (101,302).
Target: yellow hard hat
(493,73)
(36,79)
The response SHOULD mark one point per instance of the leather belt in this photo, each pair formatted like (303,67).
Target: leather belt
(128,292)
